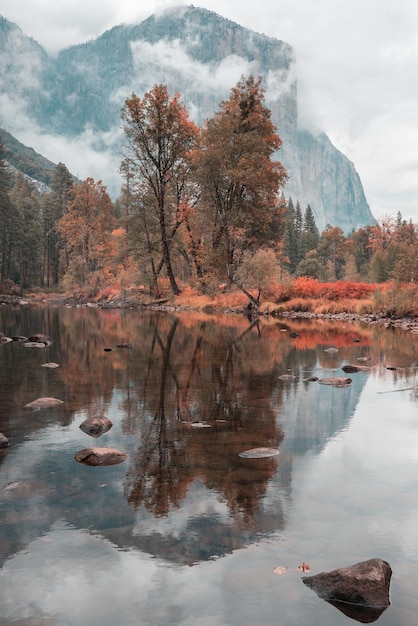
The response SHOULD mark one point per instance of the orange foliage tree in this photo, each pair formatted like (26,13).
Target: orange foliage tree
(159,137)
(238,178)
(85,229)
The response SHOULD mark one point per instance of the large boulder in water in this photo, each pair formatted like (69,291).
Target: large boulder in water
(101,456)
(364,585)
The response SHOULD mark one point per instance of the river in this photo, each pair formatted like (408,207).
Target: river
(186,531)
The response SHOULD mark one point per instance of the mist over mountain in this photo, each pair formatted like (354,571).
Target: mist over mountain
(68,107)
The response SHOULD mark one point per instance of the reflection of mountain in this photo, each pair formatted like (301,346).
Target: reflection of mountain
(184,494)
(312,417)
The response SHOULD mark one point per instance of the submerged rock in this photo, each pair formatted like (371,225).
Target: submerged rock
(19,338)
(353,369)
(365,584)
(101,456)
(40,338)
(96,426)
(43,403)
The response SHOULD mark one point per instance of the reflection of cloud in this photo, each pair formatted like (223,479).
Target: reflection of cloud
(75,576)
(199,502)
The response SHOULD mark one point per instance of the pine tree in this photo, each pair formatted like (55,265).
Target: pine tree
(54,206)
(5,218)
(310,235)
(290,240)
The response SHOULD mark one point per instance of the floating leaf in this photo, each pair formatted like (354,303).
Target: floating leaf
(258,453)
(304,567)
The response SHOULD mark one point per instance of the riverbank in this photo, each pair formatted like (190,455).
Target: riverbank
(408,323)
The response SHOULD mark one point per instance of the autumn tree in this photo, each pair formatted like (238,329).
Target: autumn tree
(159,137)
(257,271)
(361,250)
(382,242)
(405,263)
(237,175)
(85,229)
(332,249)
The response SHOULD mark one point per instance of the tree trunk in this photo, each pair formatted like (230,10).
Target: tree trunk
(166,255)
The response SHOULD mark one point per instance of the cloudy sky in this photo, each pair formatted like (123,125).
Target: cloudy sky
(357,70)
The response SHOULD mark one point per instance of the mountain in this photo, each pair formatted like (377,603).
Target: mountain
(74,100)
(21,158)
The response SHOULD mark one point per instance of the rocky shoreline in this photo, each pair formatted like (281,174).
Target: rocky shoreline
(405,323)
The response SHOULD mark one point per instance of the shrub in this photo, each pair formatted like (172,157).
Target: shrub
(396,300)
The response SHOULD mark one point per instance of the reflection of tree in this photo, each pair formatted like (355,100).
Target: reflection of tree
(200,382)
(158,479)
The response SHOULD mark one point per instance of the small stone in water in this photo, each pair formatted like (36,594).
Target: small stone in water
(258,453)
(42,403)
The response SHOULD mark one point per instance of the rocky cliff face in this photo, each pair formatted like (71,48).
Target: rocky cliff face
(196,53)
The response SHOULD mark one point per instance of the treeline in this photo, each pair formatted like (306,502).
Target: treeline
(202,207)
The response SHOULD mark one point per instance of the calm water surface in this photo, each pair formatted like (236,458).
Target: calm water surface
(186,532)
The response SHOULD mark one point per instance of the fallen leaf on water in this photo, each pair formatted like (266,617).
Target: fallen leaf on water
(280,570)
(304,567)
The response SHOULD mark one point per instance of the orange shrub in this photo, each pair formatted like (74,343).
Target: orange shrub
(305,287)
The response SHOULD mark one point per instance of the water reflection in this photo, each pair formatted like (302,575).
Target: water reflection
(191,393)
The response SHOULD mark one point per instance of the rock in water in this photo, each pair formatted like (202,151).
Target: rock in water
(96,426)
(40,338)
(258,453)
(336,381)
(4,442)
(364,584)
(100,456)
(43,403)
